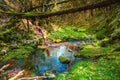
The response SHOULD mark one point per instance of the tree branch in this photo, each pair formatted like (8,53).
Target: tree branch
(3,67)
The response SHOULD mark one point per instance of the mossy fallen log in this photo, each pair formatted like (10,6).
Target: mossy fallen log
(101,4)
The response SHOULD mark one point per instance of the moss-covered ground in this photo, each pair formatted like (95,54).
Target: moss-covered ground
(96,67)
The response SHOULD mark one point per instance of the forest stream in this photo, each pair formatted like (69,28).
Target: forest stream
(48,66)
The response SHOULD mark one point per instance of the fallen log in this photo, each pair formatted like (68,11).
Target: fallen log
(101,4)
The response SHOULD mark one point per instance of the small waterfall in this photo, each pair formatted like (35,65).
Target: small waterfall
(62,51)
(58,51)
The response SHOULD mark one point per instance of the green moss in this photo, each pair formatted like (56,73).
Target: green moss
(64,60)
(102,69)
(63,34)
(22,52)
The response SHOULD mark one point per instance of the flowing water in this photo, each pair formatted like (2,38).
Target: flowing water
(52,63)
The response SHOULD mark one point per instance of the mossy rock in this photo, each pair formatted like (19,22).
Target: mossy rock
(64,60)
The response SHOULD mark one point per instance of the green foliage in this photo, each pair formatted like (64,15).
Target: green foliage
(4,34)
(69,32)
(22,52)
(15,43)
(106,27)
(107,30)
(92,51)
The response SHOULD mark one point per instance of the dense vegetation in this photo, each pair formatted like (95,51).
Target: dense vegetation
(62,21)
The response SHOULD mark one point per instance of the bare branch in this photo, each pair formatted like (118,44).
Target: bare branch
(3,67)
(17,75)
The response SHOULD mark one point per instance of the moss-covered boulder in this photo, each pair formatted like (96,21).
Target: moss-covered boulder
(64,60)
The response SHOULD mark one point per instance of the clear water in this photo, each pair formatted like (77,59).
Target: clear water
(52,63)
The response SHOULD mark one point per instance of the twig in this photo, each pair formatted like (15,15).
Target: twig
(5,66)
